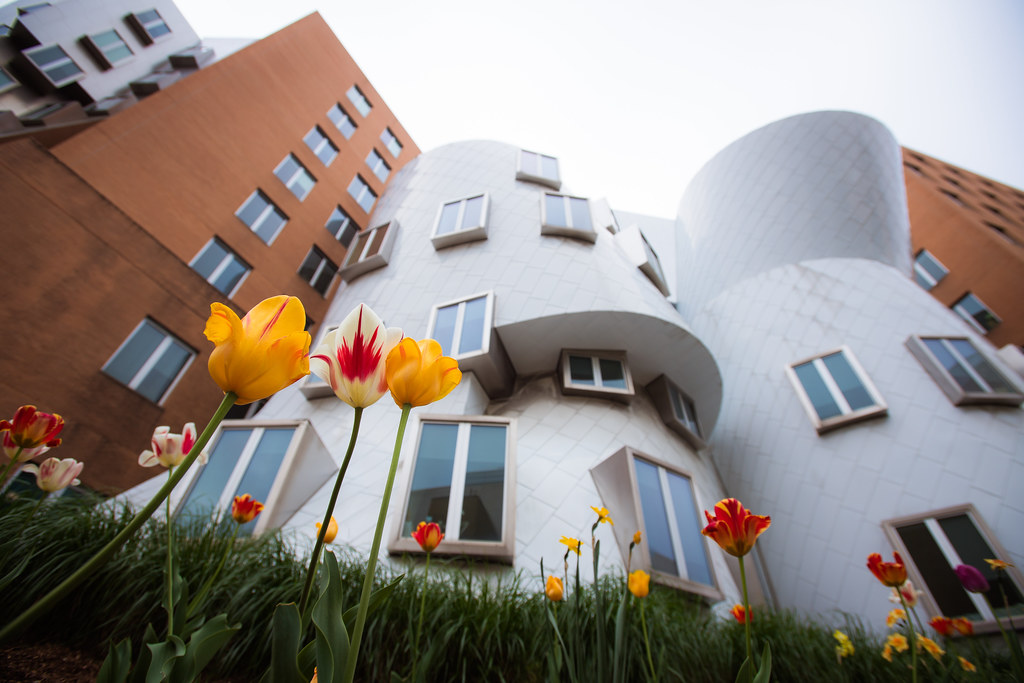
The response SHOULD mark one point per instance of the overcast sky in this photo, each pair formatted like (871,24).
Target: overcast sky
(633,98)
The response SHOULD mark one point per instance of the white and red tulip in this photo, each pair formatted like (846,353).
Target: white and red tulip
(54,474)
(170,449)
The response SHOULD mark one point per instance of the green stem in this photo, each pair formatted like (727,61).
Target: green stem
(746,614)
(647,642)
(201,595)
(371,565)
(170,561)
(315,559)
(419,626)
(12,463)
(46,494)
(47,602)
(913,638)
(599,604)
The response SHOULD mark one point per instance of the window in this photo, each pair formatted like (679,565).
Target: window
(962,372)
(566,216)
(295,177)
(370,250)
(469,461)
(7,81)
(377,164)
(342,121)
(391,142)
(361,192)
(538,168)
(928,272)
(463,327)
(108,48)
(955,198)
(1002,233)
(150,361)
(358,100)
(914,167)
(463,220)
(933,544)
(149,25)
(262,216)
(321,145)
(677,410)
(975,313)
(318,270)
(596,373)
(312,386)
(660,501)
(835,390)
(221,267)
(341,226)
(55,65)
(242,460)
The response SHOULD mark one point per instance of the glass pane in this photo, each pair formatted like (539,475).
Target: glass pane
(48,55)
(485,484)
(938,575)
(230,276)
(163,373)
(263,467)
(271,224)
(652,505)
(313,138)
(694,555)
(209,485)
(981,366)
(252,209)
(286,169)
(337,223)
(549,167)
(972,306)
(62,72)
(677,404)
(210,257)
(309,265)
(580,214)
(922,280)
(581,370)
(131,357)
(554,210)
(444,327)
(816,391)
(952,365)
(926,261)
(323,280)
(612,373)
(472,336)
(367,200)
(972,548)
(473,218)
(449,215)
(157,30)
(432,479)
(842,372)
(528,162)
(302,184)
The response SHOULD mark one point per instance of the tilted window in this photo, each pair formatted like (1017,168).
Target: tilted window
(963,373)
(463,327)
(596,373)
(459,221)
(566,216)
(318,270)
(538,168)
(55,64)
(150,361)
(975,313)
(361,192)
(321,145)
(928,272)
(358,100)
(221,267)
(377,164)
(342,121)
(149,26)
(262,216)
(341,225)
(295,177)
(835,390)
(371,249)
(108,48)
(391,142)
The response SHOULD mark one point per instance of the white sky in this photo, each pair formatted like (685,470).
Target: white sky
(633,98)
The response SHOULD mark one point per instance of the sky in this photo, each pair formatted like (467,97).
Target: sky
(634,98)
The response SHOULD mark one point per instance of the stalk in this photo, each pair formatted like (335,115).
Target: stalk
(647,642)
(913,639)
(746,606)
(170,562)
(12,463)
(419,625)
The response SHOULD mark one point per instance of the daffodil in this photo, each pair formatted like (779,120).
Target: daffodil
(845,647)
(931,647)
(573,543)
(894,617)
(602,515)
(966,665)
(997,565)
(418,373)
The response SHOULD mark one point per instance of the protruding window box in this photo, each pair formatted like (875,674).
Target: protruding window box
(566,216)
(963,373)
(538,168)
(460,221)
(147,85)
(370,250)
(193,58)
(311,385)
(596,373)
(465,330)
(677,410)
(639,251)
(835,390)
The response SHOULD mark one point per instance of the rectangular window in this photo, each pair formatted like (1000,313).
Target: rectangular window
(835,390)
(566,216)
(342,121)
(358,100)
(361,192)
(975,313)
(295,177)
(149,25)
(321,145)
(934,544)
(262,216)
(463,220)
(391,142)
(677,410)
(370,250)
(108,48)
(220,266)
(341,226)
(150,361)
(462,479)
(318,270)
(596,373)
(377,164)
(55,64)
(538,168)
(962,372)
(928,272)
(463,327)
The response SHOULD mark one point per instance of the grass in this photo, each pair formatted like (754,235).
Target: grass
(477,627)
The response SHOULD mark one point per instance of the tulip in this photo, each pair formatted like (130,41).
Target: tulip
(418,374)
(964,626)
(845,647)
(739,613)
(16,453)
(734,528)
(244,509)
(942,625)
(998,565)
(263,352)
(54,475)
(909,594)
(602,515)
(169,449)
(352,358)
(30,428)
(553,589)
(428,536)
(636,538)
(971,579)
(966,665)
(931,647)
(892,574)
(573,544)
(332,530)
(639,583)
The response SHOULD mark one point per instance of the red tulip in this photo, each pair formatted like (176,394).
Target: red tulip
(893,574)
(428,536)
(734,528)
(244,509)
(31,428)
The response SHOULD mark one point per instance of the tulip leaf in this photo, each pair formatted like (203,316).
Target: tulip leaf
(201,648)
(285,639)
(765,672)
(118,663)
(307,660)
(376,598)
(16,572)
(331,635)
(163,656)
(746,672)
(145,656)
(619,651)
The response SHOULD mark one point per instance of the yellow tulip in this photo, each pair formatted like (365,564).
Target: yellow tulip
(639,583)
(418,373)
(332,530)
(553,589)
(263,352)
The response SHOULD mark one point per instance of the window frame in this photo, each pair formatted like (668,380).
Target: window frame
(533,172)
(339,127)
(151,361)
(364,190)
(257,224)
(361,257)
(390,141)
(222,266)
(462,235)
(502,551)
(325,264)
(378,164)
(588,234)
(661,391)
(958,308)
(322,142)
(142,28)
(100,52)
(596,390)
(847,415)
(890,528)
(359,100)
(922,276)
(347,225)
(44,69)
(957,395)
(488,326)
(293,180)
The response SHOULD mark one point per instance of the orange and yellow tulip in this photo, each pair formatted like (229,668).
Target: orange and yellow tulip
(244,509)
(639,583)
(332,530)
(428,536)
(892,574)
(553,589)
(734,528)
(418,373)
(30,428)
(740,614)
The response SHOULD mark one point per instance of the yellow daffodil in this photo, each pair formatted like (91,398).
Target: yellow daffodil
(894,617)
(931,647)
(998,565)
(636,538)
(966,665)
(263,352)
(332,530)
(554,589)
(845,647)
(639,583)
(573,543)
(418,373)
(602,515)
(897,641)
